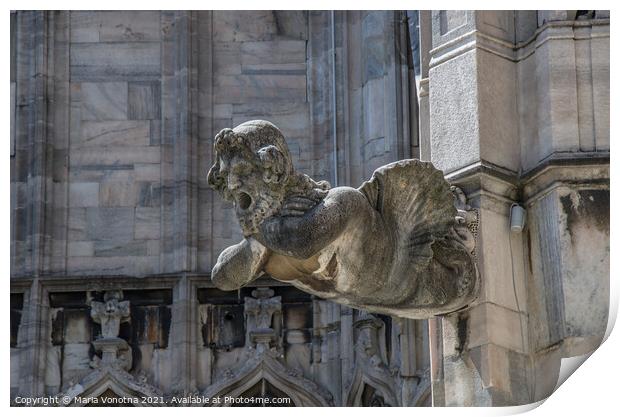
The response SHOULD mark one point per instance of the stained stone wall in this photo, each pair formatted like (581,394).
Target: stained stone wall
(113,119)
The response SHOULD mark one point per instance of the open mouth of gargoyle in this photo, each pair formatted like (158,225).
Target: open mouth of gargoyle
(244,201)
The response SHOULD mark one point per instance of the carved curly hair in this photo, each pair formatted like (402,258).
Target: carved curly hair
(262,144)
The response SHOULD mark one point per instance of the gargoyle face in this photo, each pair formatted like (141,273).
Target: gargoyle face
(111,306)
(244,184)
(251,170)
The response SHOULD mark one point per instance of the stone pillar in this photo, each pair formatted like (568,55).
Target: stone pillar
(33,340)
(179,148)
(479,355)
(508,105)
(183,336)
(424,112)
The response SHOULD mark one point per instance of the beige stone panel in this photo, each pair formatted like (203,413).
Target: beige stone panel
(500,260)
(240,88)
(546,370)
(84,194)
(53,375)
(291,117)
(114,133)
(75,358)
(110,223)
(227,58)
(99,173)
(223,111)
(584,90)
(114,60)
(127,25)
(600,90)
(77,224)
(273,52)
(114,265)
(490,323)
(153,247)
(84,26)
(110,248)
(118,194)
(585,246)
(77,328)
(104,101)
(527,100)
(147,224)
(455,136)
(497,23)
(81,248)
(557,94)
(114,26)
(147,172)
(240,26)
(144,100)
(494,367)
(374,109)
(498,118)
(116,155)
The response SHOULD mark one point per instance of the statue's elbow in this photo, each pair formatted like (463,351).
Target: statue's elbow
(222,280)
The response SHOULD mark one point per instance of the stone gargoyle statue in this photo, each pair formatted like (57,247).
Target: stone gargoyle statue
(397,245)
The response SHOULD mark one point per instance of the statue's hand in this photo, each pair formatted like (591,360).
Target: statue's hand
(298,205)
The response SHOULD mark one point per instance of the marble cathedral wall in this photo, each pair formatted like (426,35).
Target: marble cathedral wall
(113,126)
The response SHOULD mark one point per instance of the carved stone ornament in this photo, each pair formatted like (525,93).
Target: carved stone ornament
(396,245)
(114,351)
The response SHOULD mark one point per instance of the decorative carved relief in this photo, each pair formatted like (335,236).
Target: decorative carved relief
(260,363)
(397,245)
(114,351)
(260,311)
(373,382)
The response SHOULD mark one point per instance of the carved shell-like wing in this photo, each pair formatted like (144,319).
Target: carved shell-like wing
(415,203)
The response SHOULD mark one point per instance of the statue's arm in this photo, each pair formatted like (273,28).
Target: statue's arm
(303,236)
(239,264)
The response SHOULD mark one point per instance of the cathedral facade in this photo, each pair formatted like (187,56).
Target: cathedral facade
(114,230)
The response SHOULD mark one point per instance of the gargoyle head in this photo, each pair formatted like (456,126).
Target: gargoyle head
(252,169)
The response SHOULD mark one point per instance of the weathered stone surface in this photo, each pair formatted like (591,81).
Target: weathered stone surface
(118,194)
(144,100)
(81,248)
(147,172)
(84,194)
(110,223)
(277,56)
(104,101)
(289,219)
(147,223)
(116,155)
(373,92)
(462,132)
(76,327)
(121,133)
(115,61)
(227,58)
(240,26)
(291,117)
(112,26)
(240,88)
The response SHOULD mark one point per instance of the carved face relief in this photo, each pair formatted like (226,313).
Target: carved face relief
(251,170)
(254,198)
